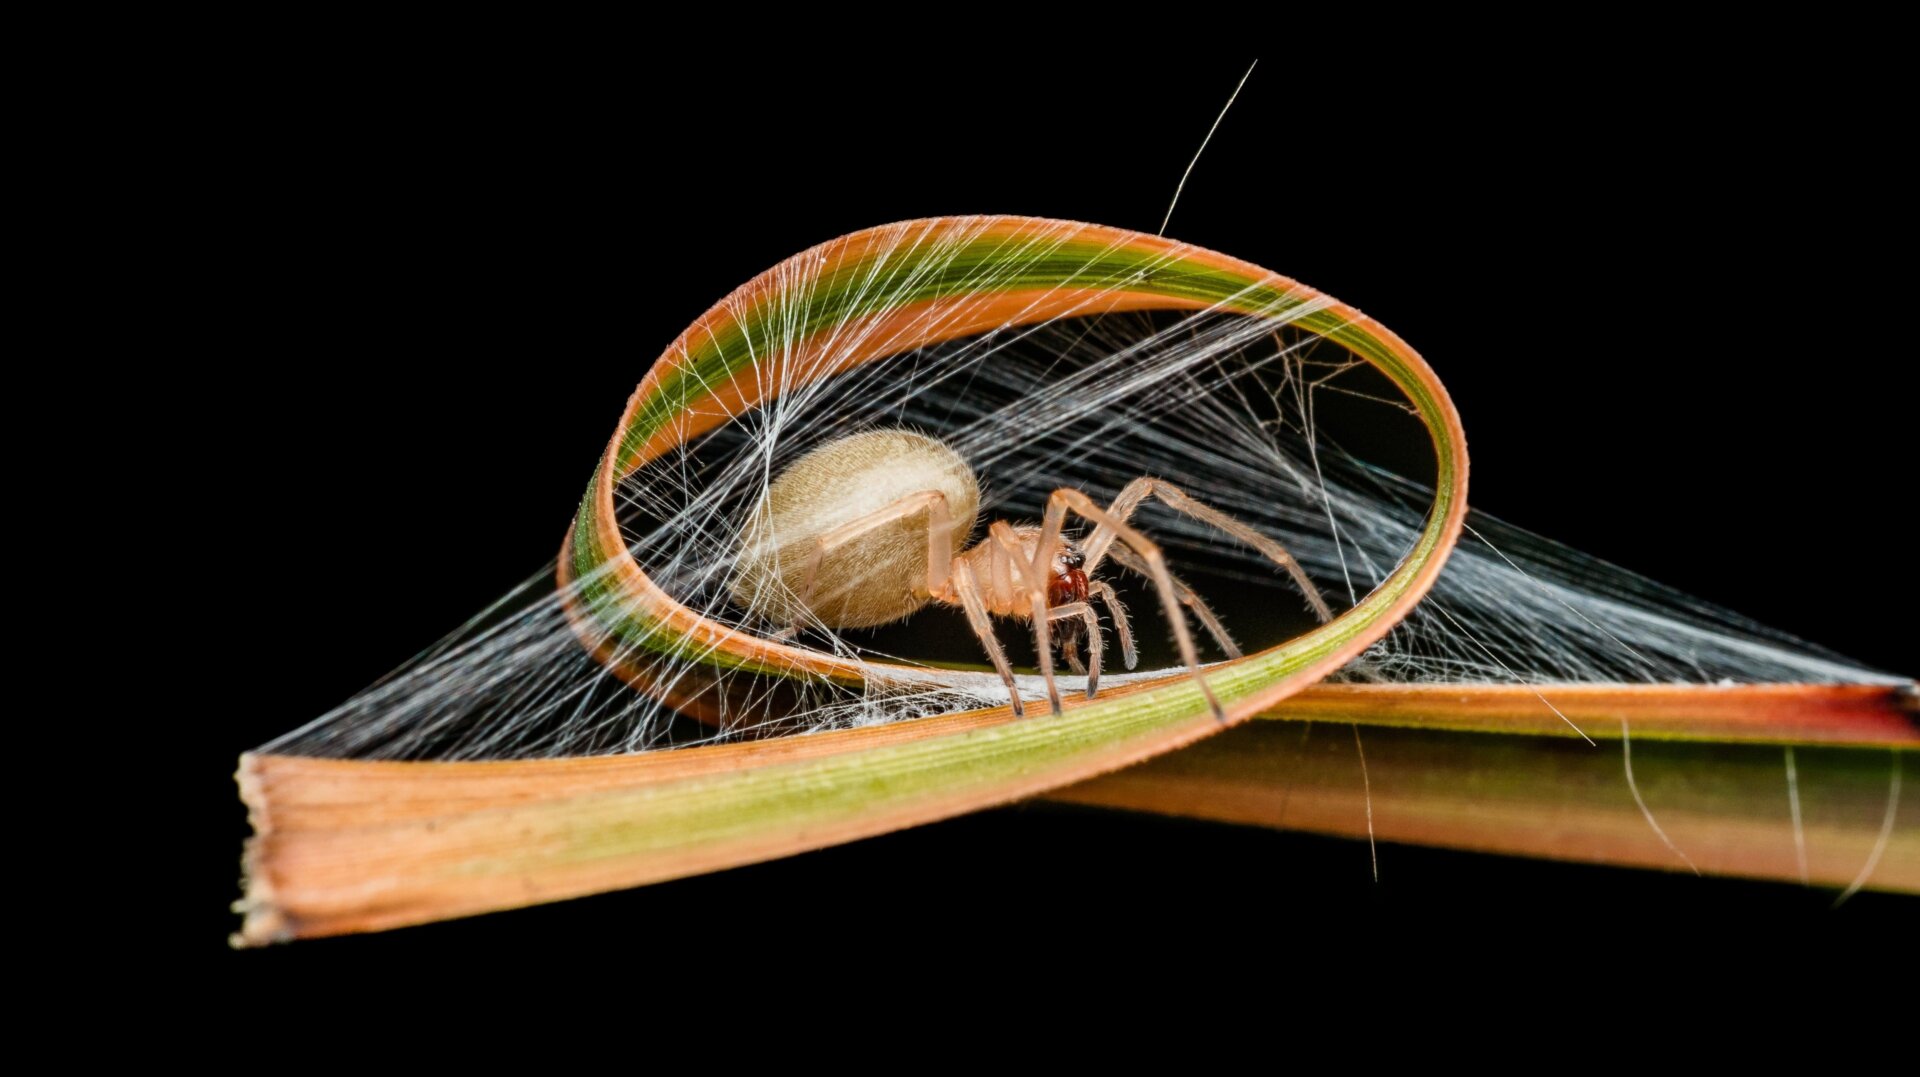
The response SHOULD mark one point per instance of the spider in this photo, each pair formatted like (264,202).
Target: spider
(871,527)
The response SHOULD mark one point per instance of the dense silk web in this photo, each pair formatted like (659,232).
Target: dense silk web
(1268,420)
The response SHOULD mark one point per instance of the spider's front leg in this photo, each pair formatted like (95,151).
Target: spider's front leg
(1104,592)
(1089,625)
(1034,582)
(1065,499)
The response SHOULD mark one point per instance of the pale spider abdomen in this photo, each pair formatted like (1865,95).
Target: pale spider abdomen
(882,575)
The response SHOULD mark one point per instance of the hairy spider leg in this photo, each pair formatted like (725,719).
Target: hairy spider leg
(1031,579)
(1177,499)
(1066,498)
(1071,649)
(1188,597)
(969,591)
(1104,591)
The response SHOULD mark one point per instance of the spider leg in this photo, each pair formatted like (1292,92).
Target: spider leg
(1061,500)
(1122,509)
(1188,597)
(1092,622)
(1119,614)
(1034,584)
(969,591)
(939,540)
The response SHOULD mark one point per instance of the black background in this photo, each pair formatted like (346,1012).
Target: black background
(1656,300)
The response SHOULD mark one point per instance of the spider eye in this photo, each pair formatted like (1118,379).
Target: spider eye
(1073,558)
